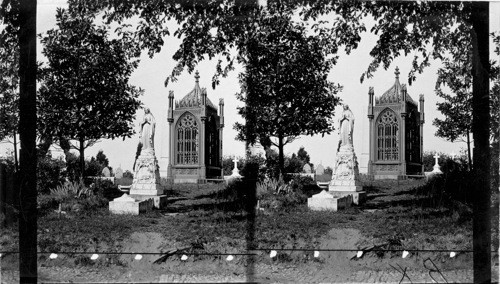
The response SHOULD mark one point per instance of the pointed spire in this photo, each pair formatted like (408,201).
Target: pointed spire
(197,76)
(397,73)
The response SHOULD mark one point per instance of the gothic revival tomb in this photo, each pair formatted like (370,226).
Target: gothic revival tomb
(195,130)
(396,130)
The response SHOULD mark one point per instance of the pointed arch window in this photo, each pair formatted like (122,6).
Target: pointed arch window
(187,140)
(387,136)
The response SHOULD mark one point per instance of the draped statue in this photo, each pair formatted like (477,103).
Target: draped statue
(346,127)
(147,131)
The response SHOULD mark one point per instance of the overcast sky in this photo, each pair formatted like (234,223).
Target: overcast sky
(151,74)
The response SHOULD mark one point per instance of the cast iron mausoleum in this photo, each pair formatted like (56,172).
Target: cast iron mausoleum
(195,130)
(396,130)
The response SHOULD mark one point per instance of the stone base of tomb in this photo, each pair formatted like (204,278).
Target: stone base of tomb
(159,201)
(147,176)
(327,201)
(358,197)
(128,205)
(345,185)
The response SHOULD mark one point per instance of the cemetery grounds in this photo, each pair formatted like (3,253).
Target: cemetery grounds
(209,225)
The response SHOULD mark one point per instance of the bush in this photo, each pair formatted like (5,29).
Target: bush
(304,185)
(453,185)
(105,188)
(70,190)
(253,168)
(50,174)
(46,202)
(124,181)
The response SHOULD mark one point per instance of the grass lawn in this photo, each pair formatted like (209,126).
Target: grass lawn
(200,218)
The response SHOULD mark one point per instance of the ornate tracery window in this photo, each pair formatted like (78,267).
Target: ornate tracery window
(387,136)
(187,140)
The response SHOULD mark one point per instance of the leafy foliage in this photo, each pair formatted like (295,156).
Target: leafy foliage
(9,68)
(106,189)
(50,174)
(70,190)
(86,74)
(456,75)
(128,174)
(284,87)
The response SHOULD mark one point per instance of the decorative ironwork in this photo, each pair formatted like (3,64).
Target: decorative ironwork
(387,136)
(187,140)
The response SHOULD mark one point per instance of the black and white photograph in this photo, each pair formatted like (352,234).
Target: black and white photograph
(249,141)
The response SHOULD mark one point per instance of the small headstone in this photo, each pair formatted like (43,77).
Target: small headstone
(106,172)
(119,173)
(436,168)
(320,170)
(235,173)
(306,169)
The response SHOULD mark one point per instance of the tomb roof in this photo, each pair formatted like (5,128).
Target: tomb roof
(193,98)
(395,93)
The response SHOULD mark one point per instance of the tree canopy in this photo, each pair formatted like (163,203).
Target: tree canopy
(456,76)
(85,94)
(284,86)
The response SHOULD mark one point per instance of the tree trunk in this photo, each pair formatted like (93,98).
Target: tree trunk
(281,155)
(481,131)
(27,135)
(469,157)
(82,158)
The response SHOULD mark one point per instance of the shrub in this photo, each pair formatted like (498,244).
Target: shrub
(304,185)
(451,186)
(273,186)
(128,174)
(70,190)
(46,202)
(228,165)
(50,174)
(254,168)
(124,181)
(106,189)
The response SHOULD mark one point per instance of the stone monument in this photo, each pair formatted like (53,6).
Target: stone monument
(146,172)
(436,169)
(320,170)
(344,187)
(119,173)
(146,186)
(307,169)
(106,172)
(236,172)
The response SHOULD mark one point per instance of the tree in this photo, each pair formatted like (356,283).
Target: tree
(457,108)
(293,96)
(456,74)
(85,94)
(19,20)
(303,155)
(102,159)
(9,83)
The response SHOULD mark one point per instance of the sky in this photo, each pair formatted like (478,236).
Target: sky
(152,72)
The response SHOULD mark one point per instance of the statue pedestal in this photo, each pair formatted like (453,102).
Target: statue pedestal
(344,188)
(146,192)
(147,176)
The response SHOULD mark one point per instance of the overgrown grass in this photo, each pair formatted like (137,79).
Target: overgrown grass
(208,221)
